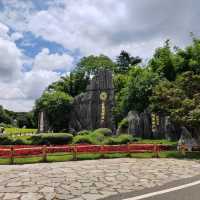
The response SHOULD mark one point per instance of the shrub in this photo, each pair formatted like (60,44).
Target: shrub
(125,138)
(57,138)
(36,139)
(111,141)
(6,125)
(52,138)
(121,139)
(124,123)
(19,142)
(5,140)
(84,132)
(83,139)
(104,131)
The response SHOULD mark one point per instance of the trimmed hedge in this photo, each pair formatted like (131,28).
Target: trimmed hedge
(51,138)
(83,139)
(124,123)
(121,139)
(4,140)
(84,132)
(104,131)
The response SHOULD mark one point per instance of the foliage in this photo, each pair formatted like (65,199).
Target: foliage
(83,132)
(125,61)
(6,125)
(162,62)
(4,140)
(120,139)
(179,99)
(8,118)
(57,106)
(83,139)
(188,59)
(124,123)
(4,117)
(19,141)
(51,138)
(11,131)
(104,131)
(91,64)
(139,88)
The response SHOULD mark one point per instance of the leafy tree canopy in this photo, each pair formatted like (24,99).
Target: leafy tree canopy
(57,106)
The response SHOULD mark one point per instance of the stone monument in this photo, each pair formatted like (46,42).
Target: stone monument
(93,109)
(42,122)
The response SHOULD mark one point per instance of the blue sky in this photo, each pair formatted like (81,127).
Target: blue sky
(42,40)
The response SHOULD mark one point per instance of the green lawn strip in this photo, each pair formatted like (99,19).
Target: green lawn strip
(60,157)
(4,161)
(165,142)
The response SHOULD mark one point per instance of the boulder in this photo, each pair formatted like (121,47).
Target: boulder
(94,108)
(187,139)
(134,127)
(146,125)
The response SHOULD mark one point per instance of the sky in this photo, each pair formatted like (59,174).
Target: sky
(43,40)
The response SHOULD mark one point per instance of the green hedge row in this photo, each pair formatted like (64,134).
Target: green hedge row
(99,136)
(43,139)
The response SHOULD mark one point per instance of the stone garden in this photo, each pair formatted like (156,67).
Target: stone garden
(108,128)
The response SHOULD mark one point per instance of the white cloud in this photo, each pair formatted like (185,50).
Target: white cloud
(107,26)
(91,27)
(20,95)
(19,89)
(18,105)
(16,36)
(47,61)
(10,57)
(35,82)
(4,31)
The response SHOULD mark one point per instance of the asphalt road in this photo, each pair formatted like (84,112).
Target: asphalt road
(187,193)
(191,193)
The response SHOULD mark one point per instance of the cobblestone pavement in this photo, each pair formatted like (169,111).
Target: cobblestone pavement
(89,180)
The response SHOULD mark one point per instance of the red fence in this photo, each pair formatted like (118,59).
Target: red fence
(17,151)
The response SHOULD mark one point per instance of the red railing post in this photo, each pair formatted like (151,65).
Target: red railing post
(74,149)
(183,149)
(155,151)
(102,151)
(128,148)
(11,155)
(44,153)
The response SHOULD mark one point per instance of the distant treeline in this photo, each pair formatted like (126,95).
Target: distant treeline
(16,119)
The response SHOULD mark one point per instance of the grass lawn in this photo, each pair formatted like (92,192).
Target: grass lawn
(61,157)
(165,142)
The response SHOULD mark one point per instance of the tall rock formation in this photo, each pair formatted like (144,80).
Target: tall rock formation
(93,109)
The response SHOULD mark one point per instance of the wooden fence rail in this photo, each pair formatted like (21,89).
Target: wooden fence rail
(13,152)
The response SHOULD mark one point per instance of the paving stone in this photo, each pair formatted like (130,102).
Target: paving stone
(85,180)
(11,196)
(31,196)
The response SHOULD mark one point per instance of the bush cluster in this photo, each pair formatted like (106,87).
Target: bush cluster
(51,138)
(83,139)
(121,139)
(99,136)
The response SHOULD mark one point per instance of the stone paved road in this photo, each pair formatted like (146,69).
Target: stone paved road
(89,180)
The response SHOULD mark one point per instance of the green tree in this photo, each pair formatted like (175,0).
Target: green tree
(163,62)
(125,61)
(91,64)
(57,106)
(135,96)
(4,117)
(188,59)
(180,100)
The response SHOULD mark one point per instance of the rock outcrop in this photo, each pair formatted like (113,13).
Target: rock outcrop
(93,109)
